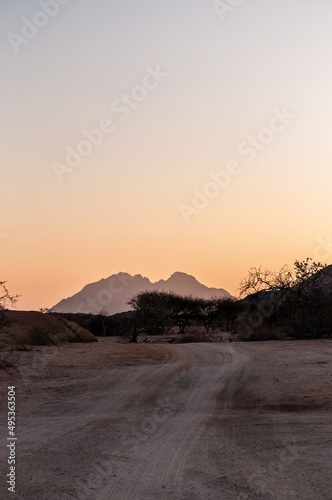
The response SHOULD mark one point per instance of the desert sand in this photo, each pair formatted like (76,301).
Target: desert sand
(212,421)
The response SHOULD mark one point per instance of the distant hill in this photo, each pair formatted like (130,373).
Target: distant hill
(112,294)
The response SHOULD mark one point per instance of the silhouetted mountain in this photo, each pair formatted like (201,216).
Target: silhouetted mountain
(112,294)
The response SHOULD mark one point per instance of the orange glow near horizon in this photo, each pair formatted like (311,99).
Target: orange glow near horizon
(250,92)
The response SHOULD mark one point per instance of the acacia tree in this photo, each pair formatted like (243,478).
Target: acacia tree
(183,310)
(152,312)
(209,312)
(307,269)
(307,302)
(159,312)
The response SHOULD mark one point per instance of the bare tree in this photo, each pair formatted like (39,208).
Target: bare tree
(8,358)
(264,280)
(5,299)
(103,313)
(259,280)
(298,303)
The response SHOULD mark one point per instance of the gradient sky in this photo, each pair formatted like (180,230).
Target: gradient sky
(119,210)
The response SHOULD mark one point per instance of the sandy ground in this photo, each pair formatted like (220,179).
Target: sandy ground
(112,421)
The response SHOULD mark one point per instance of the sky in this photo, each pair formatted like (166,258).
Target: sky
(151,137)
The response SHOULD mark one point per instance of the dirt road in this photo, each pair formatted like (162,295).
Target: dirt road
(207,421)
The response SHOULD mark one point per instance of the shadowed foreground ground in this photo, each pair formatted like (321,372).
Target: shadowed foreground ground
(111,421)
